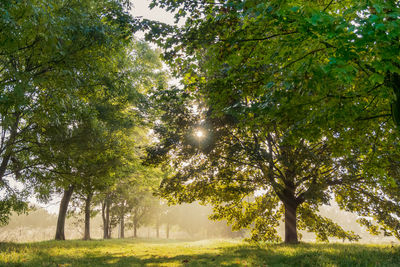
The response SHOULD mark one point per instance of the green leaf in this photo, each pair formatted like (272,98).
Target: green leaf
(377,78)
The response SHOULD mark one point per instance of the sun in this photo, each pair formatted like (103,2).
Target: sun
(199,133)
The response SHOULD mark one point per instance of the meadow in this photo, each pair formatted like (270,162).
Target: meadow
(142,252)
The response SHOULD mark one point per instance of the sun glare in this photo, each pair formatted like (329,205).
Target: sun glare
(199,134)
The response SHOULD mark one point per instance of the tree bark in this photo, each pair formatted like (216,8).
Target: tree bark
(88,200)
(9,147)
(105,212)
(103,216)
(62,214)
(122,226)
(290,223)
(108,229)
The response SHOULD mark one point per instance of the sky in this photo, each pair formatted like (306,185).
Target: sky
(140,8)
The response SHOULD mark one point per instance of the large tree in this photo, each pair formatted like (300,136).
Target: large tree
(253,171)
(291,96)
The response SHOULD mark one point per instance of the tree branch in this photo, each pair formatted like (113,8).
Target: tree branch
(304,56)
(327,6)
(373,117)
(264,38)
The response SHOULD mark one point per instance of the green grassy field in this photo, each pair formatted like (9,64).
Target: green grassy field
(141,252)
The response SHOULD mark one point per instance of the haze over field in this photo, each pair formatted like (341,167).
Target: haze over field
(190,222)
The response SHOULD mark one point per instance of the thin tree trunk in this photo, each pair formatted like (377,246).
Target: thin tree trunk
(108,219)
(62,214)
(105,213)
(157,229)
(86,235)
(122,226)
(103,216)
(122,221)
(135,228)
(290,223)
(167,230)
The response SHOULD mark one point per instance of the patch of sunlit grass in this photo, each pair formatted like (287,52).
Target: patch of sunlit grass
(141,252)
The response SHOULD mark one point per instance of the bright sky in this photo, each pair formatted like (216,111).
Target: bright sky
(140,8)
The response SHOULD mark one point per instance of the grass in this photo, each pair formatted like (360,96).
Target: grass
(140,252)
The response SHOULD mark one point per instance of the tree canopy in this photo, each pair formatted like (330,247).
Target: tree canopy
(295,99)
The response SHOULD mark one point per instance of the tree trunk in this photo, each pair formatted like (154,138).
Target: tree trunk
(103,216)
(122,226)
(105,212)
(8,148)
(290,223)
(157,229)
(62,214)
(167,230)
(135,228)
(108,229)
(86,235)
(4,163)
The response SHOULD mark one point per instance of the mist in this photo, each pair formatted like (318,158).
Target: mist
(179,222)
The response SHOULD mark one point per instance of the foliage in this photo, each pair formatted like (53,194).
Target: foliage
(54,57)
(291,96)
(8,204)
(323,49)
(233,162)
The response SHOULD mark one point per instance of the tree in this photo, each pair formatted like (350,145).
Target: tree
(276,84)
(142,204)
(236,159)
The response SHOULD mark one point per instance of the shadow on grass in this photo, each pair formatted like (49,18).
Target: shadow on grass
(240,255)
(317,255)
(206,259)
(78,243)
